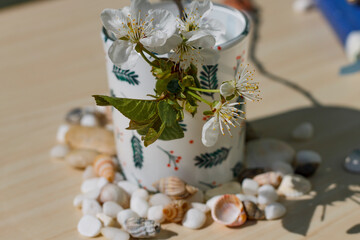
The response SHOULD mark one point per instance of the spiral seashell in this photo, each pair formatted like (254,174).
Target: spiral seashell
(175,188)
(229,210)
(252,211)
(104,167)
(272,178)
(175,211)
(111,192)
(142,228)
(294,186)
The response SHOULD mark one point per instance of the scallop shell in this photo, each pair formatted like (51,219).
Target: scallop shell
(142,228)
(175,188)
(104,167)
(252,211)
(229,210)
(272,178)
(294,186)
(175,211)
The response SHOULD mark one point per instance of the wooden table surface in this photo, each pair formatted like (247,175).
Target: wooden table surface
(51,59)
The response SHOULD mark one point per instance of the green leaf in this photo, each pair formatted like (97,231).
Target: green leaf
(208,113)
(162,83)
(135,109)
(191,109)
(153,135)
(172,132)
(167,113)
(173,86)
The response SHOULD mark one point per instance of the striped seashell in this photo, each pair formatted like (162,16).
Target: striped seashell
(104,167)
(294,186)
(272,178)
(175,211)
(229,210)
(141,228)
(252,211)
(175,188)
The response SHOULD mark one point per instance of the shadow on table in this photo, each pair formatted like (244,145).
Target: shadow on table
(337,133)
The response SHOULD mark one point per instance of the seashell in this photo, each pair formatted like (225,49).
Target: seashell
(272,178)
(307,162)
(274,211)
(123,215)
(111,209)
(175,211)
(249,173)
(267,194)
(304,131)
(175,188)
(156,213)
(250,187)
(229,210)
(91,138)
(142,228)
(114,233)
(111,192)
(80,158)
(104,167)
(89,226)
(226,188)
(252,211)
(159,199)
(352,162)
(139,205)
(294,186)
(194,219)
(211,202)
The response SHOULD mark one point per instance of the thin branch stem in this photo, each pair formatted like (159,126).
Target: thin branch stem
(145,58)
(204,90)
(150,53)
(199,98)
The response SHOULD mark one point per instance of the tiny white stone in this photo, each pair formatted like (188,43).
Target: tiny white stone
(283,168)
(141,193)
(159,199)
(128,187)
(89,226)
(304,131)
(100,109)
(114,233)
(89,184)
(102,182)
(59,151)
(197,197)
(267,194)
(200,206)
(124,215)
(156,213)
(352,46)
(93,194)
(302,5)
(61,132)
(89,120)
(194,219)
(106,220)
(77,202)
(226,188)
(211,202)
(91,207)
(89,172)
(249,186)
(111,209)
(274,211)
(243,197)
(118,177)
(139,205)
(307,156)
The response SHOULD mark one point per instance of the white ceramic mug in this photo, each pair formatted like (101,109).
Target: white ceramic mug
(186,158)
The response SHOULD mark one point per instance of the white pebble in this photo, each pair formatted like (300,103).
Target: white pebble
(141,193)
(124,215)
(100,109)
(267,194)
(93,194)
(274,211)
(304,131)
(91,207)
(89,172)
(194,219)
(89,226)
(61,132)
(118,177)
(111,209)
(139,205)
(59,151)
(200,206)
(156,213)
(307,156)
(352,46)
(197,197)
(128,187)
(89,120)
(77,202)
(106,220)
(211,202)
(302,5)
(102,182)
(159,199)
(243,197)
(89,184)
(281,167)
(249,186)
(114,233)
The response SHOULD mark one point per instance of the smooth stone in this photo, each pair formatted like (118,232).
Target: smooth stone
(100,109)
(74,115)
(91,207)
(304,131)
(89,226)
(80,158)
(159,199)
(307,162)
(77,202)
(352,162)
(211,202)
(93,194)
(128,187)
(89,184)
(249,186)
(243,197)
(263,152)
(226,188)
(111,192)
(141,193)
(283,168)
(156,213)
(106,220)
(267,194)
(102,182)
(111,209)
(61,133)
(139,205)
(294,186)
(274,211)
(89,120)
(59,151)
(123,215)
(301,6)
(197,197)
(200,206)
(89,172)
(194,219)
(114,233)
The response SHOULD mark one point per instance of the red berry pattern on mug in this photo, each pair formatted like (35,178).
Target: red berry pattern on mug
(173,160)
(210,185)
